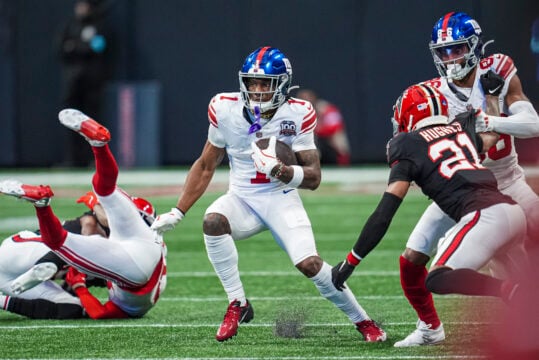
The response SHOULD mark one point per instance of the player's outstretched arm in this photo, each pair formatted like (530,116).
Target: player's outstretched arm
(372,233)
(196,183)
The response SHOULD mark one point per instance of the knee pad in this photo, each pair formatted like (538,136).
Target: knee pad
(215,224)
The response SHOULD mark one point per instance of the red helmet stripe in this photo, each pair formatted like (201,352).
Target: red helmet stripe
(261,54)
(446,21)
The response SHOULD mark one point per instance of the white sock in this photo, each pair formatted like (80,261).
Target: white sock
(223,255)
(344,300)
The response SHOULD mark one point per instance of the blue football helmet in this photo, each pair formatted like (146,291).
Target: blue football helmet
(270,64)
(456,36)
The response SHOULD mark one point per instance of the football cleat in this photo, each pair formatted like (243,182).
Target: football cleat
(36,275)
(371,331)
(423,335)
(95,133)
(235,314)
(40,195)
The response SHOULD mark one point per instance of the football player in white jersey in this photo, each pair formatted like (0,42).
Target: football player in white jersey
(262,191)
(469,79)
(132,257)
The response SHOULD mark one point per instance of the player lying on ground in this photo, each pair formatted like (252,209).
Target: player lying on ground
(132,258)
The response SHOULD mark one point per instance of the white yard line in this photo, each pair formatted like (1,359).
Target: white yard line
(354,175)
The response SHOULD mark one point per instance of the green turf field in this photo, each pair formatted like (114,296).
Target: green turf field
(184,322)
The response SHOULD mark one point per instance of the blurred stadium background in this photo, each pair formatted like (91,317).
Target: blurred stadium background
(172,56)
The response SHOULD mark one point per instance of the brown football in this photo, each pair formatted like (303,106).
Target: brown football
(282,150)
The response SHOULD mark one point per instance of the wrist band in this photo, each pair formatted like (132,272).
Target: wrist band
(352,258)
(297,179)
(178,212)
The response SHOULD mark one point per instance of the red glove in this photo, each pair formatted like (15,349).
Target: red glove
(89,199)
(75,279)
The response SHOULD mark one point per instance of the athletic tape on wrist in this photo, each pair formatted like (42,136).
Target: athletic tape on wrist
(297,179)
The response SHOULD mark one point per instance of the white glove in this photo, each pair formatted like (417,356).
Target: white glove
(482,123)
(265,160)
(167,221)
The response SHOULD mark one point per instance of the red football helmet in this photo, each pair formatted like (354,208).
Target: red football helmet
(419,106)
(145,208)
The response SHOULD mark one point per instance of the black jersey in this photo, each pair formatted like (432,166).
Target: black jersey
(443,160)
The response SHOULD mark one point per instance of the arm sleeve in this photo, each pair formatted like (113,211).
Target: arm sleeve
(522,123)
(95,309)
(377,224)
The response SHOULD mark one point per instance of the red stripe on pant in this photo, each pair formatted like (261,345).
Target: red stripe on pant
(457,240)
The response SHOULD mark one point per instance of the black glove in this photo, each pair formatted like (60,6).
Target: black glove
(492,83)
(340,273)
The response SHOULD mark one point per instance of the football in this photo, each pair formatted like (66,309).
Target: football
(282,150)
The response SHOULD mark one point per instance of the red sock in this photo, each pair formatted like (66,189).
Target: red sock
(106,170)
(52,232)
(413,284)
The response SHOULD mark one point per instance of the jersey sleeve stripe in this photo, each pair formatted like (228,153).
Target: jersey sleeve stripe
(308,121)
(505,67)
(211,116)
(305,130)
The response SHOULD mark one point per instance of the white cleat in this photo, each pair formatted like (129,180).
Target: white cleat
(35,276)
(423,335)
(95,133)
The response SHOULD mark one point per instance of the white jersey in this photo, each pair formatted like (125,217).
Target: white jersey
(293,123)
(18,254)
(502,158)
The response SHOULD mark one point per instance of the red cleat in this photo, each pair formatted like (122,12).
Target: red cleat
(39,195)
(235,314)
(370,331)
(95,133)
